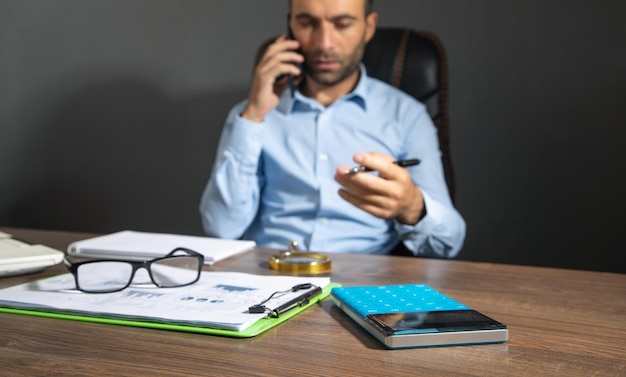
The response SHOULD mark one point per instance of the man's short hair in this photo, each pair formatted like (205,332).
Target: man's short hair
(369,6)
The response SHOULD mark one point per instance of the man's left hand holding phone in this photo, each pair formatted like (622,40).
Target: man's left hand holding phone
(271,77)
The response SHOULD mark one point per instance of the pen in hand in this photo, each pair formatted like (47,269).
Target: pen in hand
(403,163)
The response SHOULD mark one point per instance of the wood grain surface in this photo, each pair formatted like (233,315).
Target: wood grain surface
(561,323)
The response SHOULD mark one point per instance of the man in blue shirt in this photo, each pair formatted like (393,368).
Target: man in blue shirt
(281,169)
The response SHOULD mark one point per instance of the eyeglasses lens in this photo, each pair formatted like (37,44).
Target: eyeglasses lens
(175,271)
(104,276)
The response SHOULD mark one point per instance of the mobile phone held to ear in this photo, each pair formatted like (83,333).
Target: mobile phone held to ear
(292,84)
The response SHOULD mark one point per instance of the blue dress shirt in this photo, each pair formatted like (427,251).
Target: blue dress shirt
(273,182)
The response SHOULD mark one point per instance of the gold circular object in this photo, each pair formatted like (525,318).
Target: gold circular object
(300,261)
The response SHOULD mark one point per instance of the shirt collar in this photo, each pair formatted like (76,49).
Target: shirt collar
(302,103)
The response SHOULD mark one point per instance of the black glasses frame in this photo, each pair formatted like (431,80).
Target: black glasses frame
(73,268)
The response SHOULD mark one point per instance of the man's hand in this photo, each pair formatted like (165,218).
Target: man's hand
(390,195)
(265,90)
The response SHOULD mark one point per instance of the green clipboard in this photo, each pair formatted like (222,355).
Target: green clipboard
(254,330)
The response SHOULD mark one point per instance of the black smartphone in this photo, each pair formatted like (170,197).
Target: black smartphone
(292,84)
(436,328)
(435,321)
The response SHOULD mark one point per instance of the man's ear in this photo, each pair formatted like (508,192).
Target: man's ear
(370,25)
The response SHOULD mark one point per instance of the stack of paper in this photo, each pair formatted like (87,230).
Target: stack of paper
(133,245)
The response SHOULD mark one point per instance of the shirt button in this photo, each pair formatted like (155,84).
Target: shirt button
(323,220)
(323,157)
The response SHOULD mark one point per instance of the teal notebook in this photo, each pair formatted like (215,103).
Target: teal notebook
(34,299)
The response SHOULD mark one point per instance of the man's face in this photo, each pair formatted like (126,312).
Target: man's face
(332,36)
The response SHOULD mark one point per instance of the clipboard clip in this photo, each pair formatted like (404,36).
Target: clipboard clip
(297,301)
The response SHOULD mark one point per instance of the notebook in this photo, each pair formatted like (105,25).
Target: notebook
(18,257)
(416,315)
(132,245)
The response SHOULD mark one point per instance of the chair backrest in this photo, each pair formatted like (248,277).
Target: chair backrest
(415,62)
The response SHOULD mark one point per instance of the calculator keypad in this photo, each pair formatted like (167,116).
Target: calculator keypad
(366,300)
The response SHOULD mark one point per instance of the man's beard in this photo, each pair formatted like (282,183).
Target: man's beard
(349,66)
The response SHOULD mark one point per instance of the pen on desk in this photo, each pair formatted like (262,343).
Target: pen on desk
(403,163)
(296,302)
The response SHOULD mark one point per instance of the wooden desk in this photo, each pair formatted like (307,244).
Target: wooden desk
(561,322)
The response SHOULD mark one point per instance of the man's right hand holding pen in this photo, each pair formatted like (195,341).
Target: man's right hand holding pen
(389,195)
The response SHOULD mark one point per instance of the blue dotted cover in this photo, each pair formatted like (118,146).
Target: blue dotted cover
(383,299)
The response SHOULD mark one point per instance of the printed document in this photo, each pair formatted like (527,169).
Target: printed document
(219,300)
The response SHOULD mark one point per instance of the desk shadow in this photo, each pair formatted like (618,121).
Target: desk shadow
(119,153)
(351,326)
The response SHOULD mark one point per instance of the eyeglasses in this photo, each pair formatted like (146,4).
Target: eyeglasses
(178,268)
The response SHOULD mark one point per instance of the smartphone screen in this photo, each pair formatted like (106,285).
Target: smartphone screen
(435,321)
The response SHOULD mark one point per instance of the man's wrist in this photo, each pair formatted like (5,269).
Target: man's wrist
(415,211)
(423,214)
(252,116)
(412,220)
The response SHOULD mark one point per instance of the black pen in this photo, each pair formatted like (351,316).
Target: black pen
(403,163)
(296,302)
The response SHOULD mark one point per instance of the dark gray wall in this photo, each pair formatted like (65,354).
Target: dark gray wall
(110,112)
